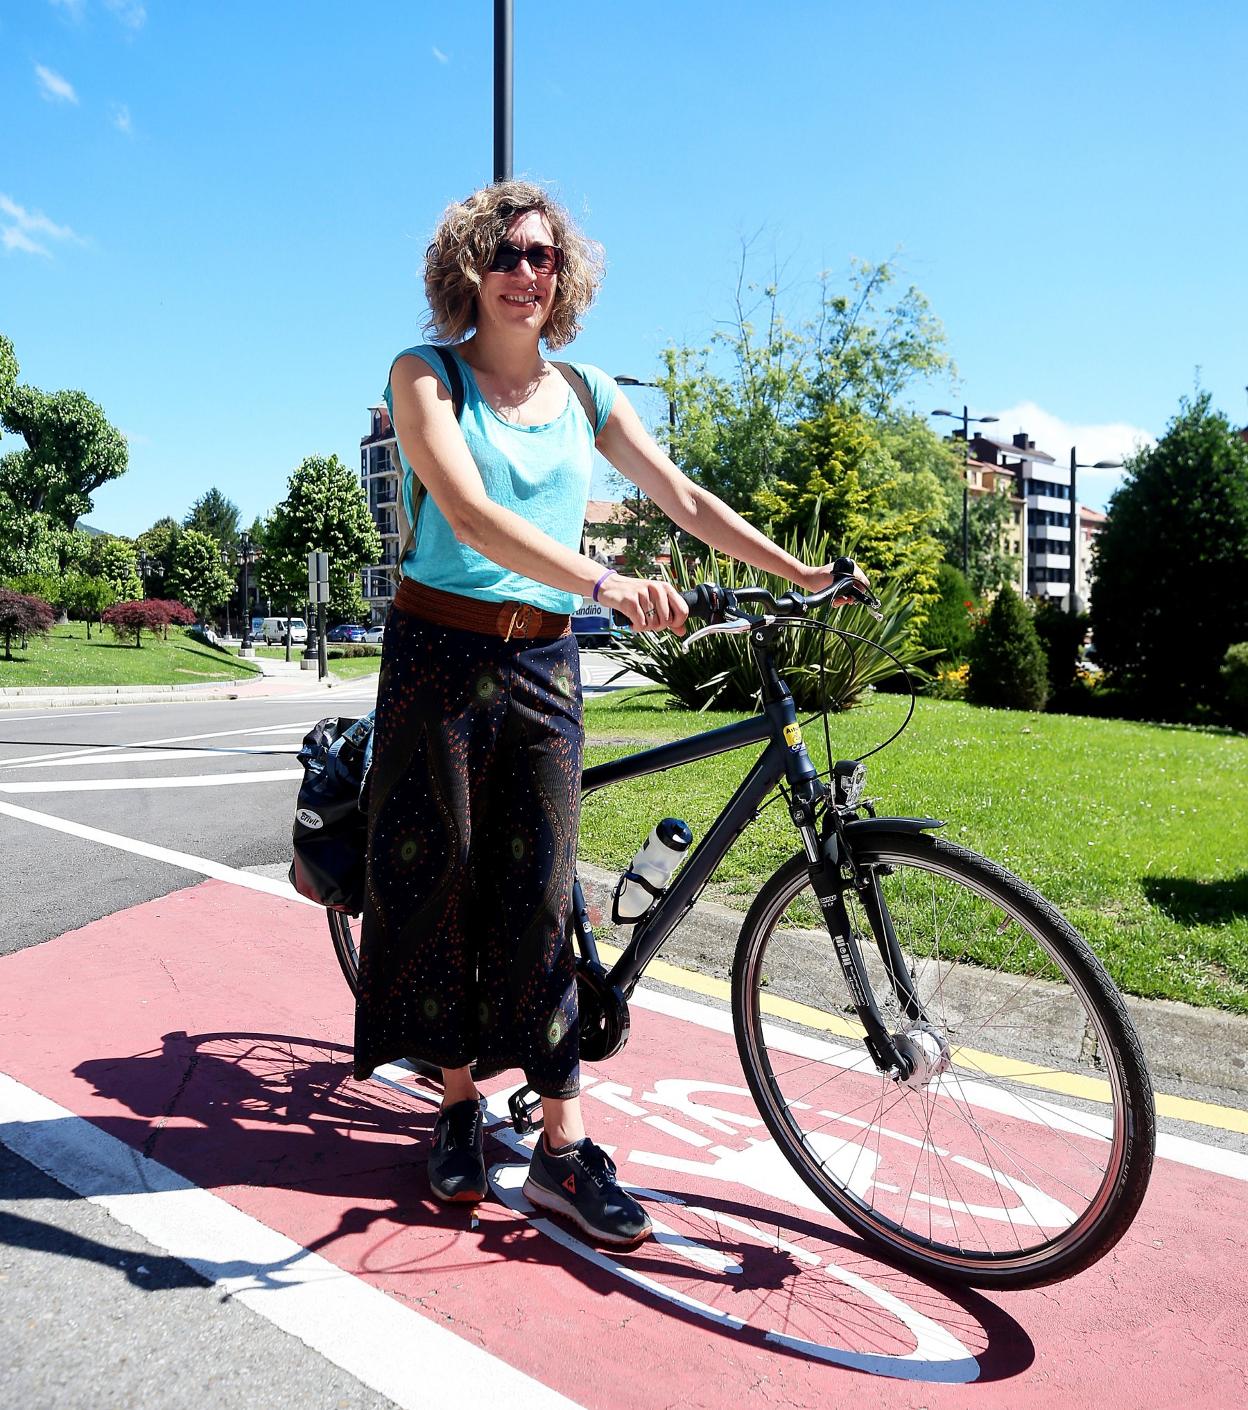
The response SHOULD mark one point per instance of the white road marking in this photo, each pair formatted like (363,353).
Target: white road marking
(394,1350)
(168,739)
(152,756)
(6,718)
(110,785)
(1181,1149)
(217,870)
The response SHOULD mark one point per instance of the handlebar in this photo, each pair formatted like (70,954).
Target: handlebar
(713,604)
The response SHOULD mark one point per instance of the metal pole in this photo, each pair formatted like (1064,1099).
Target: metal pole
(322,667)
(966,491)
(503,53)
(1074,531)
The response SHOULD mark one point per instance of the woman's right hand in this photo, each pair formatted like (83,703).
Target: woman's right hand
(650,605)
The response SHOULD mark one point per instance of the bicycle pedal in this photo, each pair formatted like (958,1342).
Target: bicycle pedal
(525,1106)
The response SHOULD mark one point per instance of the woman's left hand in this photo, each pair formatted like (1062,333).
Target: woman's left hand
(817,579)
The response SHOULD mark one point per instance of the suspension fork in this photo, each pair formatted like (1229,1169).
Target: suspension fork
(874,903)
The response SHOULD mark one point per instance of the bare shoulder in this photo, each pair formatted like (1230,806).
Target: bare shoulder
(415,387)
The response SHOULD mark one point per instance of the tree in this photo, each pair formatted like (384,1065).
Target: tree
(839,478)
(324,509)
(144,614)
(735,420)
(85,598)
(1008,666)
(23,616)
(1061,633)
(157,542)
(990,564)
(1170,593)
(71,449)
(216,516)
(196,573)
(114,560)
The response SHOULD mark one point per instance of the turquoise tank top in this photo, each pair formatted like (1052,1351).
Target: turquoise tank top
(540,472)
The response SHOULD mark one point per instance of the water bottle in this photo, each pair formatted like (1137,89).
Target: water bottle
(650,870)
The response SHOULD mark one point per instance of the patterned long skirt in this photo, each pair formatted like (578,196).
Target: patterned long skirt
(474,807)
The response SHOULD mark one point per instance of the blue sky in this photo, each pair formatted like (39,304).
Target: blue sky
(212,216)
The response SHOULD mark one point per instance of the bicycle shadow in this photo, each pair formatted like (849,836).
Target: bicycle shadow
(281,1113)
(1191,902)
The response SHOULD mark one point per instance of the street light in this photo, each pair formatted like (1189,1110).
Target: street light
(625,381)
(143,561)
(244,546)
(966,420)
(1075,466)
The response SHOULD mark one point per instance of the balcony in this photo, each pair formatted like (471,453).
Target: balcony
(1051,560)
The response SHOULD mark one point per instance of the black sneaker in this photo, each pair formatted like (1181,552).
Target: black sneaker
(579,1182)
(457,1162)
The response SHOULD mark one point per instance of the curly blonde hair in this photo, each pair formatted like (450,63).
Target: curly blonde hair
(463,246)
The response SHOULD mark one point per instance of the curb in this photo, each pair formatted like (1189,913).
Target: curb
(1206,1047)
(68,697)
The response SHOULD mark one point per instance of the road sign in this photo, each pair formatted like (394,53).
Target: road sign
(318,577)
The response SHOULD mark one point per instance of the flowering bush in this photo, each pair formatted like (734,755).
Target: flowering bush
(950,683)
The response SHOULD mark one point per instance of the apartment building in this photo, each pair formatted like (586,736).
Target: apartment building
(379,479)
(1043,493)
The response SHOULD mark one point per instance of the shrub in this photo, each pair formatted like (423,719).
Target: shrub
(949,683)
(1234,673)
(950,619)
(1008,666)
(1061,634)
(822,670)
(349,649)
(23,616)
(150,614)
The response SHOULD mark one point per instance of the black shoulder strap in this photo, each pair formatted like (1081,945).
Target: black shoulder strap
(454,377)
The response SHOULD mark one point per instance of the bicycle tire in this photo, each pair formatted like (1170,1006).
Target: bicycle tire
(344,931)
(1038,1104)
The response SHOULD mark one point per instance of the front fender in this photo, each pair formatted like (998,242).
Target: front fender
(864,826)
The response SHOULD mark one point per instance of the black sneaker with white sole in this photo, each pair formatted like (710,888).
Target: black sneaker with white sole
(578,1181)
(457,1160)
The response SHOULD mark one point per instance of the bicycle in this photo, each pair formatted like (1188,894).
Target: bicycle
(905,1010)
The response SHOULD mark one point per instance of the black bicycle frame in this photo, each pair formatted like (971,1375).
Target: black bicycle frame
(785,757)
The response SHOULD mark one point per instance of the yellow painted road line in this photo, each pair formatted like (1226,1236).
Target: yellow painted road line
(1049,1079)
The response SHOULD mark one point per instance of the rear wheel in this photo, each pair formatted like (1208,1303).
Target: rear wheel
(1019,1149)
(344,931)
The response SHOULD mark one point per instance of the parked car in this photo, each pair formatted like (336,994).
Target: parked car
(349,631)
(273,631)
(591,623)
(374,634)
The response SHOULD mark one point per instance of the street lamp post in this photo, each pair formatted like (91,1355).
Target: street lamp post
(624,380)
(231,567)
(967,420)
(244,545)
(1075,466)
(143,562)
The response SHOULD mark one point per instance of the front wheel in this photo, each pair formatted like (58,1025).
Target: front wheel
(1020,1147)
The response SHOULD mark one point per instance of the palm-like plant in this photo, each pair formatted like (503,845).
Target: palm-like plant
(823,670)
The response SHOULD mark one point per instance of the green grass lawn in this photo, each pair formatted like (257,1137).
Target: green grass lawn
(352,667)
(66,657)
(1138,833)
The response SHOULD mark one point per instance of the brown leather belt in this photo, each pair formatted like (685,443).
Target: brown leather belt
(469,614)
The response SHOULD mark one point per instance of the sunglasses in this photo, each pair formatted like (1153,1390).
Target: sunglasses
(543,259)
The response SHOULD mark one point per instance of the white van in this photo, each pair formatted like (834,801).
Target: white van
(273,631)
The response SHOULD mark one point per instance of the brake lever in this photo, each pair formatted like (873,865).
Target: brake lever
(734,624)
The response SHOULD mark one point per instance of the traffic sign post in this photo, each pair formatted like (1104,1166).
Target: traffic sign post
(318,597)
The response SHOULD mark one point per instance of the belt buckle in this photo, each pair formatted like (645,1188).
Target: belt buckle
(524,621)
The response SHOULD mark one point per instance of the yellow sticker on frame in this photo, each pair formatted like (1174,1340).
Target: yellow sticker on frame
(792,735)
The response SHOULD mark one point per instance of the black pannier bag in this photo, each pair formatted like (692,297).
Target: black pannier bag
(330,829)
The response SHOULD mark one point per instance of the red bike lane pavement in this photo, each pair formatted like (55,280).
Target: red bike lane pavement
(209,1031)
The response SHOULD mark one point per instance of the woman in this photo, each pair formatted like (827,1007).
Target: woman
(475,783)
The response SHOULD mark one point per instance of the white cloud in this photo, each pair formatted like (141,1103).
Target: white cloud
(121,118)
(1112,440)
(131,13)
(53,87)
(18,226)
(13,238)
(440,56)
(75,9)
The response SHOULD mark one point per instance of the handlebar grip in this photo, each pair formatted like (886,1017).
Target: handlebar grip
(844,567)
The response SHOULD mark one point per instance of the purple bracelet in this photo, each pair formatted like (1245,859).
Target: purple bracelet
(602,580)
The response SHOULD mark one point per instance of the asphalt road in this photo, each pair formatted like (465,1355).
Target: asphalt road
(92,803)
